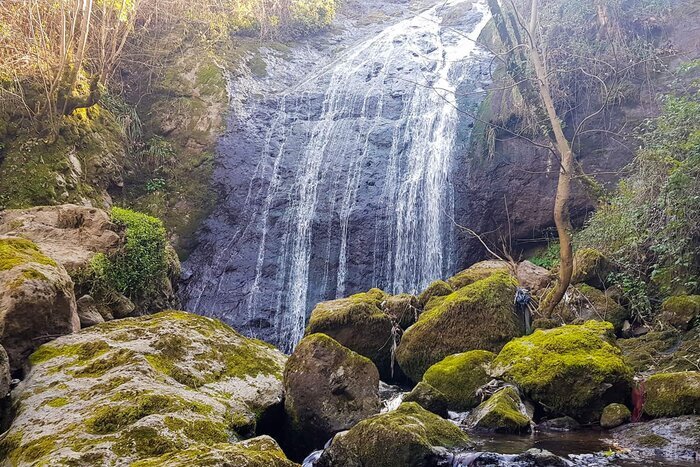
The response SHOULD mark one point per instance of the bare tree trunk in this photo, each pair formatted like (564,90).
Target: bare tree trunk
(562,217)
(80,56)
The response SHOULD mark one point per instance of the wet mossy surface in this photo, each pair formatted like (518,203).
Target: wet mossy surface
(571,370)
(681,311)
(501,413)
(19,251)
(458,377)
(615,415)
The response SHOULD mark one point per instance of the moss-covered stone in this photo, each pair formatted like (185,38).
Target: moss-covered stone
(583,303)
(429,398)
(672,394)
(407,437)
(257,452)
(435,289)
(328,388)
(503,412)
(480,316)
(403,309)
(18,251)
(571,370)
(615,415)
(477,272)
(650,351)
(681,311)
(105,401)
(358,323)
(459,376)
(591,267)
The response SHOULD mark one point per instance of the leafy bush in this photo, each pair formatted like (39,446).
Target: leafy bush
(651,226)
(547,258)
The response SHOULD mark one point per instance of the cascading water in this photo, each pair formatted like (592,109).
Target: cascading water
(352,187)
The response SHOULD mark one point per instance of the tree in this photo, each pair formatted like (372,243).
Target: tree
(549,79)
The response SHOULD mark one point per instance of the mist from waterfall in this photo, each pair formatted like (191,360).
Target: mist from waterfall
(388,106)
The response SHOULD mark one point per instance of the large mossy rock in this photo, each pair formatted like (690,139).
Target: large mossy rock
(403,309)
(141,388)
(591,267)
(584,303)
(429,398)
(675,440)
(262,451)
(436,289)
(503,412)
(681,311)
(672,394)
(37,302)
(477,272)
(459,376)
(571,370)
(407,437)
(358,323)
(328,388)
(480,316)
(615,415)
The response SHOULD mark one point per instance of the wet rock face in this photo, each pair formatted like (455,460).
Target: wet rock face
(673,439)
(142,388)
(325,189)
(328,388)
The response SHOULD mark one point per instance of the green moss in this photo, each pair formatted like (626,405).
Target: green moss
(36,449)
(80,353)
(652,441)
(144,441)
(475,273)
(480,316)
(18,251)
(566,369)
(672,394)
(113,418)
(615,415)
(502,413)
(435,289)
(97,368)
(591,267)
(459,376)
(200,431)
(398,438)
(646,352)
(58,402)
(681,311)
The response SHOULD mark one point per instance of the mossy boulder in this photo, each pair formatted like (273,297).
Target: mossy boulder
(650,351)
(459,376)
(615,415)
(480,316)
(673,439)
(403,309)
(429,398)
(672,394)
(410,436)
(437,288)
(262,451)
(681,311)
(503,412)
(4,373)
(37,302)
(591,267)
(571,370)
(358,323)
(328,388)
(477,272)
(139,388)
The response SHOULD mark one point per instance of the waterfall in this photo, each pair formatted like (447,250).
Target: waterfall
(352,184)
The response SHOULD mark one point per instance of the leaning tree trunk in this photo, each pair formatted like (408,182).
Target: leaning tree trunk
(562,217)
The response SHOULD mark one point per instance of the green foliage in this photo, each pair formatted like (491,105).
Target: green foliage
(313,14)
(651,226)
(155,184)
(548,258)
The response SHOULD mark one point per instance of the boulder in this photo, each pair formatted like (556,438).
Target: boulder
(262,451)
(532,277)
(673,439)
(672,394)
(4,373)
(139,388)
(681,311)
(503,412)
(410,436)
(480,316)
(429,398)
(591,267)
(584,303)
(615,415)
(559,424)
(435,289)
(328,388)
(37,303)
(358,323)
(459,376)
(403,309)
(89,312)
(72,235)
(571,370)
(477,272)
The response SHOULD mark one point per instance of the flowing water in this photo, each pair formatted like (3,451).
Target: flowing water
(353,187)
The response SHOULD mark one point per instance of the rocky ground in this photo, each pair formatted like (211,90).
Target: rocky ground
(179,389)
